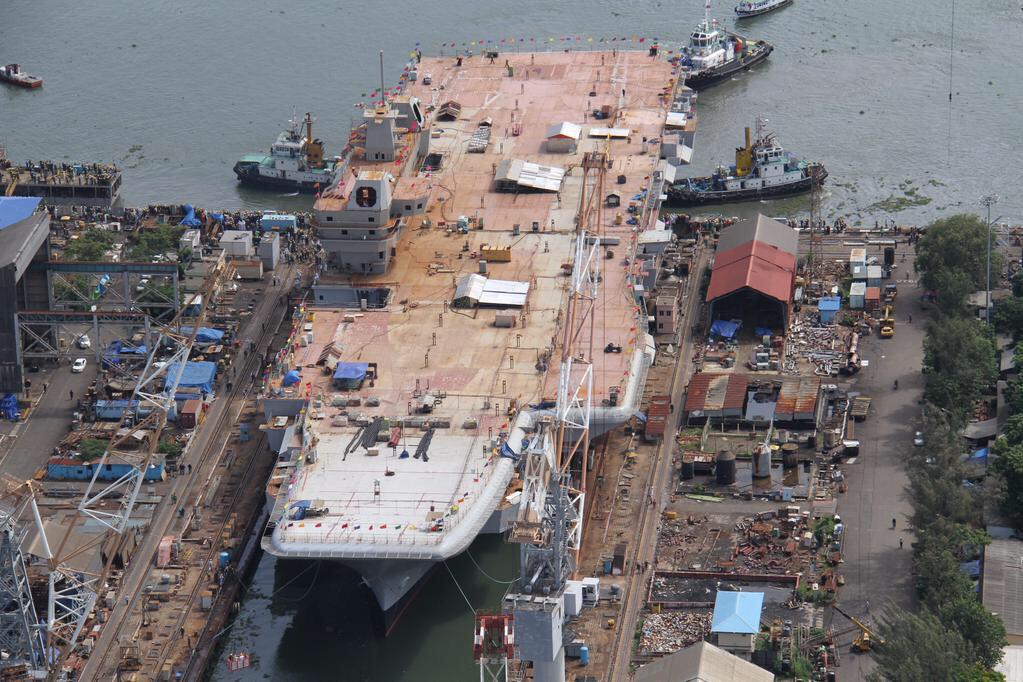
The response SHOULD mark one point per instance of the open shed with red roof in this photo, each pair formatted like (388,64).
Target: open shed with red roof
(754,273)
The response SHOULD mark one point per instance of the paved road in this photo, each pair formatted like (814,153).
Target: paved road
(646,540)
(28,444)
(875,568)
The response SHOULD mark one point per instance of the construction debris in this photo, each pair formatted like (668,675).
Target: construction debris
(670,631)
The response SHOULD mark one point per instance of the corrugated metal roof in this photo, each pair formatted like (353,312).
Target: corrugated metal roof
(702,661)
(499,292)
(858,289)
(757,265)
(1003,583)
(797,398)
(713,395)
(763,229)
(610,132)
(565,129)
(531,175)
(15,209)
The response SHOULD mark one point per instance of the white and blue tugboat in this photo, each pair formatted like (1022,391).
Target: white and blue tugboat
(762,170)
(714,54)
(295,162)
(754,8)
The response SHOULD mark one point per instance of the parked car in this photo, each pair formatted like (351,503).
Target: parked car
(142,285)
(78,366)
(83,342)
(918,439)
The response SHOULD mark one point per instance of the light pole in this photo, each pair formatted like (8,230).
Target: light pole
(988,200)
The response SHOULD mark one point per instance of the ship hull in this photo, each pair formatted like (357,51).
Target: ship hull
(254,179)
(679,197)
(709,77)
(29,84)
(757,13)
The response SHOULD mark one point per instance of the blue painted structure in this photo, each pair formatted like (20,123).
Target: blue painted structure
(63,469)
(828,308)
(737,612)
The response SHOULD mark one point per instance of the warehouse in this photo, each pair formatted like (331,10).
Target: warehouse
(754,273)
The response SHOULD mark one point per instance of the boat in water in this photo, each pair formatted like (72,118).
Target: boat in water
(762,170)
(13,73)
(295,162)
(714,54)
(754,8)
(421,368)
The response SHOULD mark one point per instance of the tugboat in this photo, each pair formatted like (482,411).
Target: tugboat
(12,73)
(754,8)
(295,162)
(714,55)
(762,170)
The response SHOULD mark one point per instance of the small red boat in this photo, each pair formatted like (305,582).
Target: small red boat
(12,73)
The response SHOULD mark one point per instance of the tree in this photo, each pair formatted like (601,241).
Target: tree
(983,631)
(959,360)
(92,246)
(157,240)
(1009,467)
(918,648)
(1008,316)
(1013,429)
(938,576)
(951,258)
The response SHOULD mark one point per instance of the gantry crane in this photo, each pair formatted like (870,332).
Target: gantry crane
(72,592)
(549,524)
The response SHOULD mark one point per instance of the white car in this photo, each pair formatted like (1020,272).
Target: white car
(142,285)
(83,342)
(78,366)
(918,439)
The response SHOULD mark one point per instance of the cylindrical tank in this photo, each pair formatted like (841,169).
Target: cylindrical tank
(762,462)
(790,456)
(688,470)
(724,468)
(889,255)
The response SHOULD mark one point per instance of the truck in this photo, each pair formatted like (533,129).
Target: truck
(888,322)
(891,291)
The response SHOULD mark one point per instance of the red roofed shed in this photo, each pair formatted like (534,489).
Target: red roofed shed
(754,273)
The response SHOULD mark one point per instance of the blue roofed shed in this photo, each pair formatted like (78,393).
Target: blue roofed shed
(737,619)
(828,308)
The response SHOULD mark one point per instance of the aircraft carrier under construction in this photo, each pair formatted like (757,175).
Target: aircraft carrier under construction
(427,352)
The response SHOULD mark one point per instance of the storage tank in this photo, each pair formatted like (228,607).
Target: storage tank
(762,462)
(724,468)
(688,470)
(789,456)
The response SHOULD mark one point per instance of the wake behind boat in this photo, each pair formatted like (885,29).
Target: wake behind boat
(754,8)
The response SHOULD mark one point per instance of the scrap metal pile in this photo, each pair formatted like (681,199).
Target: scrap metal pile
(773,542)
(671,630)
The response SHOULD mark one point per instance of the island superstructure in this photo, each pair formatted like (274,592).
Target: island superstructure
(423,357)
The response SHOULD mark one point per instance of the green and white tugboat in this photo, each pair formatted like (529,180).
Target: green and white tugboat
(295,162)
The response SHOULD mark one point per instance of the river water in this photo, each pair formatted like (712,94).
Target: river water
(176,92)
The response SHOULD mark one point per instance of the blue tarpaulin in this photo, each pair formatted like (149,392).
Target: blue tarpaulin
(980,454)
(205,334)
(351,371)
(190,220)
(725,328)
(292,378)
(9,407)
(198,375)
(764,331)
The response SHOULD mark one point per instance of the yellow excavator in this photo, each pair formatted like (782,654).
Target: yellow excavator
(888,322)
(866,639)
